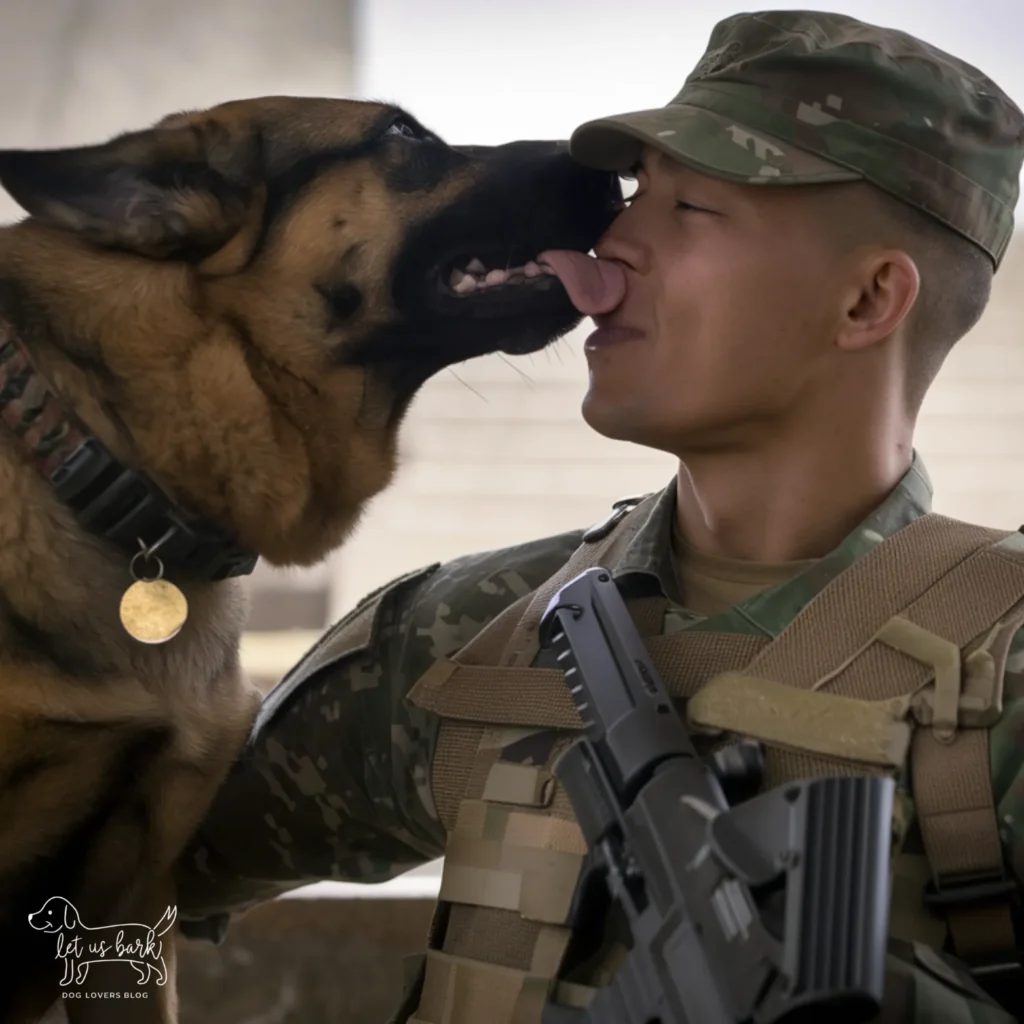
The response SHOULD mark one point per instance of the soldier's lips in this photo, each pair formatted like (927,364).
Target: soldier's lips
(611,336)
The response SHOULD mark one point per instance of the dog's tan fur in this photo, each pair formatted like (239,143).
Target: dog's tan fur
(219,375)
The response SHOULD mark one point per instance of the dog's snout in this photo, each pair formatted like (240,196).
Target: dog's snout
(556,200)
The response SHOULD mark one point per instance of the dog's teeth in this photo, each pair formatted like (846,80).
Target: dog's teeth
(474,266)
(496,277)
(531,269)
(457,276)
(467,284)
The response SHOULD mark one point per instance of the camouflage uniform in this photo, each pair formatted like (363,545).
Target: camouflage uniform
(337,783)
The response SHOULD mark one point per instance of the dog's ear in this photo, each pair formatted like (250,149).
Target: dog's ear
(70,916)
(168,192)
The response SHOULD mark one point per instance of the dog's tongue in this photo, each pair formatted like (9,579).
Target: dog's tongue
(594,286)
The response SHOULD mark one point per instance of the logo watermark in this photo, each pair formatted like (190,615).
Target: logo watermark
(81,946)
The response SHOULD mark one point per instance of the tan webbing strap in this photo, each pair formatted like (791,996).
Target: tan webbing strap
(500,696)
(953,796)
(687,659)
(484,648)
(959,828)
(538,696)
(524,643)
(873,732)
(458,990)
(456,753)
(488,646)
(921,572)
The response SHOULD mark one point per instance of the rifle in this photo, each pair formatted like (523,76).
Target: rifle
(774,908)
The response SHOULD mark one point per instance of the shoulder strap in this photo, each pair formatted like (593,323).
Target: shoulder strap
(482,682)
(821,649)
(524,643)
(893,628)
(489,680)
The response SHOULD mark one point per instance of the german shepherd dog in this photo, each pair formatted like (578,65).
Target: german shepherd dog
(209,334)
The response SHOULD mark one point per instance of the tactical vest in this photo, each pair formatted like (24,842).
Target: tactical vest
(898,661)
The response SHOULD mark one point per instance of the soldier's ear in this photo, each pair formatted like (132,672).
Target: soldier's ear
(157,193)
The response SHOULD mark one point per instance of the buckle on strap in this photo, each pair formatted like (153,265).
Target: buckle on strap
(977,889)
(620,509)
(965,692)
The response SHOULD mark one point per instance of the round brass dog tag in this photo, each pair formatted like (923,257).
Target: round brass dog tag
(153,611)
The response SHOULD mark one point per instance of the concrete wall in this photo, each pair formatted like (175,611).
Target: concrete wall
(971,431)
(77,71)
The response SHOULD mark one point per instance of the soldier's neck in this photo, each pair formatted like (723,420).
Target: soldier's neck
(785,501)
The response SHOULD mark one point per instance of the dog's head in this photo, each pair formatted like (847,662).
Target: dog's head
(243,301)
(56,913)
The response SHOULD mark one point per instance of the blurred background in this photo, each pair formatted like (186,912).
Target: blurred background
(494,452)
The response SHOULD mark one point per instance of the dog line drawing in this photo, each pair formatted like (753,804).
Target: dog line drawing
(82,946)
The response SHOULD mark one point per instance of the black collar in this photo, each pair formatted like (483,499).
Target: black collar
(121,505)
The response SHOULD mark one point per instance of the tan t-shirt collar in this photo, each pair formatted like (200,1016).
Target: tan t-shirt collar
(710,584)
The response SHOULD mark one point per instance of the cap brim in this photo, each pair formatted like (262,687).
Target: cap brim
(707,142)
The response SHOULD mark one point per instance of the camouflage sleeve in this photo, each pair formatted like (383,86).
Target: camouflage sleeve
(335,784)
(1006,751)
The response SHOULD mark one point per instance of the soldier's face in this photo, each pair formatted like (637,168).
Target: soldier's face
(733,301)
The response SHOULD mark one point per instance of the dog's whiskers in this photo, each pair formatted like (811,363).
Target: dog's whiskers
(557,349)
(465,384)
(518,370)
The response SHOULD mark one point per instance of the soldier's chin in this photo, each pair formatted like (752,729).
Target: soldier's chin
(623,416)
(608,417)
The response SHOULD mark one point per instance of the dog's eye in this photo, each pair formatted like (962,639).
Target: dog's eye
(404,129)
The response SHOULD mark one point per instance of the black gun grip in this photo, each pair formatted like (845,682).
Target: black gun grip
(739,768)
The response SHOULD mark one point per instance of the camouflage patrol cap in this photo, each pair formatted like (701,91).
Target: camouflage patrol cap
(802,97)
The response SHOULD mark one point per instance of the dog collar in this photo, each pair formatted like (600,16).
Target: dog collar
(121,505)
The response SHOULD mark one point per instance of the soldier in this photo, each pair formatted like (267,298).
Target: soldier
(818,217)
